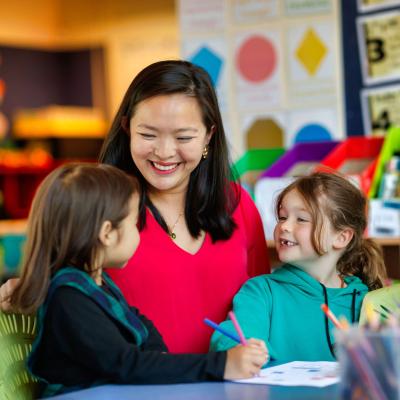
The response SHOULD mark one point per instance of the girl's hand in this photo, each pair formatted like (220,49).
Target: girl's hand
(5,292)
(245,361)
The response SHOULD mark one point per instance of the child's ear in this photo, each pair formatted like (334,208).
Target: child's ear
(107,233)
(343,238)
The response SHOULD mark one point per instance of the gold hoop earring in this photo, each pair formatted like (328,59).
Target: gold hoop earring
(205,152)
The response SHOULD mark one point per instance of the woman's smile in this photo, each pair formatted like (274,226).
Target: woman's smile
(164,168)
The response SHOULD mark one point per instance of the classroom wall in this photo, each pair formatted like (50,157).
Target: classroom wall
(131,33)
(134,34)
(29,24)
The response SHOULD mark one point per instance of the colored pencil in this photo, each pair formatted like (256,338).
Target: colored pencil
(222,330)
(238,328)
(331,316)
(344,323)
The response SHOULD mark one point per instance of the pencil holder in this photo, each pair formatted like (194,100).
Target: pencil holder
(369,363)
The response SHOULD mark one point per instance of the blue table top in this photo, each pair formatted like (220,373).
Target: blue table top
(201,391)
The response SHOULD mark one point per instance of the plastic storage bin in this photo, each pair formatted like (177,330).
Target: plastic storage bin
(253,163)
(356,157)
(390,146)
(300,160)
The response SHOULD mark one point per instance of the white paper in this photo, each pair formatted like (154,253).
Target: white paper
(298,373)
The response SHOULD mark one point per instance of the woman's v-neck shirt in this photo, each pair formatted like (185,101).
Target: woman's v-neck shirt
(177,290)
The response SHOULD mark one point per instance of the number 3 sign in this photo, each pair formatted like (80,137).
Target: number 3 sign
(379,44)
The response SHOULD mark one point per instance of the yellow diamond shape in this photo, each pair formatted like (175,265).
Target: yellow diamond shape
(311,51)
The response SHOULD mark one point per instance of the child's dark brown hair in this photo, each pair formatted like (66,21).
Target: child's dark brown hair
(64,222)
(333,196)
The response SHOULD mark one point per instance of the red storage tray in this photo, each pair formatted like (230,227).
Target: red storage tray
(356,157)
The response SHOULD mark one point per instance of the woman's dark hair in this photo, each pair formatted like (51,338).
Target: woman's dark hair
(64,223)
(211,198)
(333,196)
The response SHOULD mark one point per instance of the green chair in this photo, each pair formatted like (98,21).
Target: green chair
(17,332)
(384,301)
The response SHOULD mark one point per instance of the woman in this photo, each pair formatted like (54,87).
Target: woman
(201,235)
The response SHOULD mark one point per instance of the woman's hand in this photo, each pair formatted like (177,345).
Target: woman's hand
(245,361)
(5,292)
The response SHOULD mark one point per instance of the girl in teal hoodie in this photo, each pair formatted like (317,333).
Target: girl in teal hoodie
(319,238)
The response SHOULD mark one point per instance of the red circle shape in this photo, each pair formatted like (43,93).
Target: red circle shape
(256,59)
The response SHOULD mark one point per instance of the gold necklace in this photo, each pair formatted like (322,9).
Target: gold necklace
(171,233)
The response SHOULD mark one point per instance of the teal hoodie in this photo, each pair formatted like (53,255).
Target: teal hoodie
(284,310)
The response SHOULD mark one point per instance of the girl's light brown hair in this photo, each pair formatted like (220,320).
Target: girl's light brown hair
(64,222)
(333,196)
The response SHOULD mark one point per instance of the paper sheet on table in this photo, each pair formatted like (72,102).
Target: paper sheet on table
(298,373)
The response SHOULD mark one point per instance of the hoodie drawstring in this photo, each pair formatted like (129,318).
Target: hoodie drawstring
(328,336)
(353,306)
(353,317)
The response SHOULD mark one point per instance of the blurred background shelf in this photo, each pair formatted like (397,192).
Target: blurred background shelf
(13,227)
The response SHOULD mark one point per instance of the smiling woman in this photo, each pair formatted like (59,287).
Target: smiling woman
(201,235)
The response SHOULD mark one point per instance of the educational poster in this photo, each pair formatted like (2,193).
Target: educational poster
(307,7)
(257,70)
(210,54)
(250,11)
(379,43)
(201,16)
(381,109)
(264,130)
(312,125)
(311,64)
(374,5)
(268,59)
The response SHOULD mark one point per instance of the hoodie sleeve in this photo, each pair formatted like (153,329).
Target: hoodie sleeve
(252,307)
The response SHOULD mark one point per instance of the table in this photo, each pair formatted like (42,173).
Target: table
(202,391)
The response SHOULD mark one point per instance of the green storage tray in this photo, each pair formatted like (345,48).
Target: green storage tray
(390,146)
(253,163)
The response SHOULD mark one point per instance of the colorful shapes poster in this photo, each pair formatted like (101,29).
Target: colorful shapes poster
(268,60)
(312,63)
(264,130)
(256,66)
(201,16)
(312,125)
(307,7)
(210,54)
(253,11)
